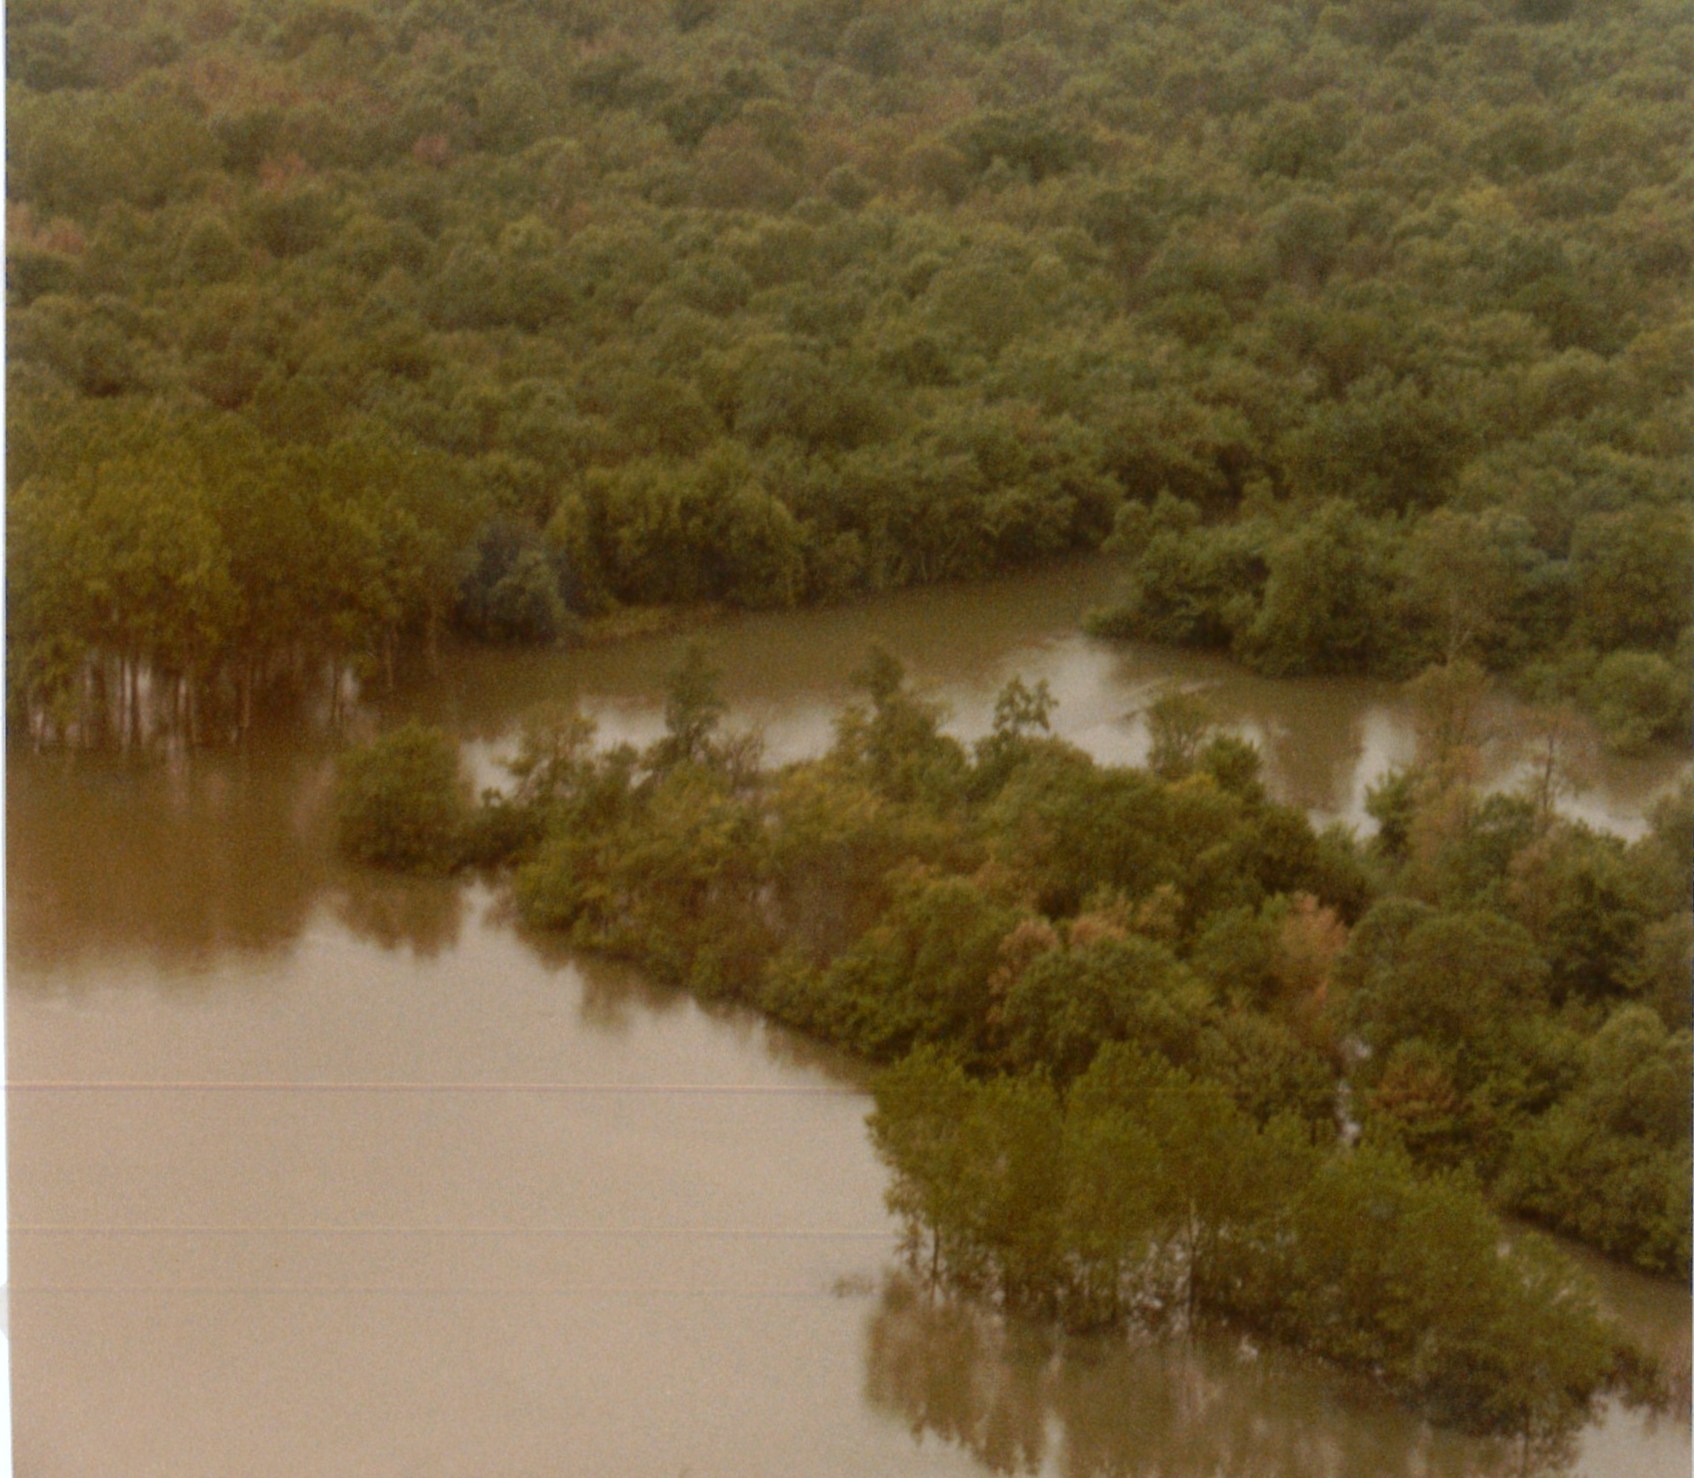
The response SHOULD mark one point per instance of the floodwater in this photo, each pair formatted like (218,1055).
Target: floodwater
(1325,741)
(314,1171)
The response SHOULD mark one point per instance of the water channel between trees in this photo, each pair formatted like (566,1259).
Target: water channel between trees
(319,1171)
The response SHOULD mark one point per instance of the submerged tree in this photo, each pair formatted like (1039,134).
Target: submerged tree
(694,707)
(401,801)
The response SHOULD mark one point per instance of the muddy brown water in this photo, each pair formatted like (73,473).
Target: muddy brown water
(319,1172)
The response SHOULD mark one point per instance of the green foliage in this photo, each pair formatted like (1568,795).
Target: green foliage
(1235,764)
(1609,1163)
(922,974)
(1267,1070)
(1068,1003)
(1408,1277)
(184,545)
(669,877)
(1021,715)
(773,305)
(1578,1118)
(1127,1022)
(1066,827)
(1577,893)
(1146,1192)
(400,801)
(1323,602)
(1633,572)
(693,709)
(1479,586)
(1188,584)
(1178,723)
(512,593)
(917,1128)
(554,764)
(1447,1004)
(1641,698)
(896,745)
(835,843)
(1453,979)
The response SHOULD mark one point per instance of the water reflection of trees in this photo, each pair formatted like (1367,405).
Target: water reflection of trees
(612,994)
(1022,1401)
(423,915)
(615,994)
(176,862)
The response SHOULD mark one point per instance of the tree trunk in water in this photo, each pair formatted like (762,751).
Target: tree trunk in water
(95,704)
(1193,1258)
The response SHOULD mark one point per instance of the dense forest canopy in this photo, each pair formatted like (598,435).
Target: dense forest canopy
(1365,327)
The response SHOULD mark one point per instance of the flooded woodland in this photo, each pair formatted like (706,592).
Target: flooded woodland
(1120,463)
(315,1169)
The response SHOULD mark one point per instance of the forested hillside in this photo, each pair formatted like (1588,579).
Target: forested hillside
(1366,327)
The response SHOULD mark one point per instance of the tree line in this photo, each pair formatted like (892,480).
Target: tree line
(1156,1050)
(181,559)
(1603,624)
(548,309)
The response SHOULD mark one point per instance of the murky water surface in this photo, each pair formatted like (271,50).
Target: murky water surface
(316,1172)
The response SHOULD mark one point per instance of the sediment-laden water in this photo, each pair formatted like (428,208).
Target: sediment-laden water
(314,1171)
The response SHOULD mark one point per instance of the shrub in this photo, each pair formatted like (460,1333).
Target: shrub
(400,801)
(1639,698)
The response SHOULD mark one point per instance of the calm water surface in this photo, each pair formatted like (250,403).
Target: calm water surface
(1324,740)
(316,1172)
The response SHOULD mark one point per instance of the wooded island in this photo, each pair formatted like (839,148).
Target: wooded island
(1159,1051)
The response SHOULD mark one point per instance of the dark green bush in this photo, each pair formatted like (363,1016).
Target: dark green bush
(400,801)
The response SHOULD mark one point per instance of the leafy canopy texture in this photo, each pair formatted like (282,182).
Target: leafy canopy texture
(1154,1052)
(331,325)
(400,801)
